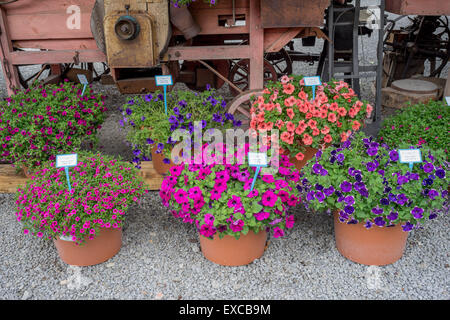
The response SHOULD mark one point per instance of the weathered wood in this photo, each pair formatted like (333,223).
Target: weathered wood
(209,52)
(10,180)
(151,177)
(447,86)
(66,44)
(257,47)
(9,70)
(419,7)
(293,13)
(52,57)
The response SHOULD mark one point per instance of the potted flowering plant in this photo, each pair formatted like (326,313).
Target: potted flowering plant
(431,131)
(231,218)
(85,222)
(42,121)
(376,199)
(150,128)
(307,125)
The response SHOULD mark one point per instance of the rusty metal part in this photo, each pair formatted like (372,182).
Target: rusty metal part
(293,13)
(7,2)
(127,28)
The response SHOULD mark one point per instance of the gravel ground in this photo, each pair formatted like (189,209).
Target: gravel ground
(161,258)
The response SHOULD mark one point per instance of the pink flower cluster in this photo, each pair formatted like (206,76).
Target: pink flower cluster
(218,197)
(102,190)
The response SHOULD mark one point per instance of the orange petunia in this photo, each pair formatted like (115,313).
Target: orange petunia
(290,113)
(332,117)
(288,88)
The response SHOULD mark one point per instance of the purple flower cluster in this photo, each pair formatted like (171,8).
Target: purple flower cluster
(368,184)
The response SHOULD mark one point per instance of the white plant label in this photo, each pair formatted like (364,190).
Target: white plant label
(66,238)
(448,100)
(312,81)
(410,156)
(257,159)
(66,160)
(83,79)
(164,80)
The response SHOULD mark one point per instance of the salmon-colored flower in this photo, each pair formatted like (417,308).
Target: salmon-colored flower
(315,132)
(302,95)
(356,125)
(342,112)
(290,126)
(307,139)
(279,123)
(289,102)
(332,117)
(325,130)
(288,88)
(312,124)
(284,79)
(290,113)
(299,156)
(327,138)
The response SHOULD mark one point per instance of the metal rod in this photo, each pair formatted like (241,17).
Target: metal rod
(377,116)
(220,76)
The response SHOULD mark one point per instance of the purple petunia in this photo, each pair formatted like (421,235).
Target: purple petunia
(417,212)
(407,226)
(346,186)
(379,221)
(393,155)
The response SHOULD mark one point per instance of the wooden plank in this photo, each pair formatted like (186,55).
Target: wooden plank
(151,177)
(23,7)
(66,44)
(47,26)
(209,52)
(293,13)
(10,180)
(256,77)
(52,57)
(419,7)
(276,39)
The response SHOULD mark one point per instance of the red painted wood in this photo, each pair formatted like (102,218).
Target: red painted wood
(62,44)
(22,7)
(52,57)
(209,52)
(257,47)
(419,7)
(276,39)
(47,26)
(9,70)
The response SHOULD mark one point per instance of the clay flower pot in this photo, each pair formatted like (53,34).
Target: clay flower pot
(375,246)
(100,249)
(309,154)
(182,19)
(26,172)
(158,163)
(231,252)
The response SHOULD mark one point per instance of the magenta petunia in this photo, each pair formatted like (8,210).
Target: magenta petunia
(269,199)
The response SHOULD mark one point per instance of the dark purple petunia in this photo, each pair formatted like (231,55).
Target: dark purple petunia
(358,177)
(328,191)
(349,209)
(344,216)
(346,144)
(318,187)
(364,192)
(384,201)
(368,224)
(349,200)
(407,227)
(150,141)
(440,173)
(428,167)
(432,194)
(417,212)
(377,210)
(166,161)
(379,221)
(402,180)
(432,216)
(392,215)
(317,168)
(381,172)
(129,111)
(392,197)
(351,172)
(319,196)
(353,221)
(393,155)
(310,196)
(346,186)
(324,172)
(372,152)
(371,166)
(340,157)
(401,199)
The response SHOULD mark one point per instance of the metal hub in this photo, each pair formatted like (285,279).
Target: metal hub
(127,28)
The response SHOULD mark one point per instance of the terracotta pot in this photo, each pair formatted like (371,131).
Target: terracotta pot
(182,19)
(309,154)
(231,252)
(26,172)
(375,246)
(100,249)
(158,164)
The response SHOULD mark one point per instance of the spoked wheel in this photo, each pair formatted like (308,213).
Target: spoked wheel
(239,75)
(239,107)
(281,61)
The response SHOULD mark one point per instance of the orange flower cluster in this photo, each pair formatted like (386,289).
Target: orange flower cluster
(331,117)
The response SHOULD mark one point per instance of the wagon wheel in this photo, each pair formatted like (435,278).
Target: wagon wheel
(221,66)
(281,61)
(239,107)
(239,75)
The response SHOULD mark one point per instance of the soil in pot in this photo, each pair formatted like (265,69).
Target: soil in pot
(100,249)
(375,246)
(231,252)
